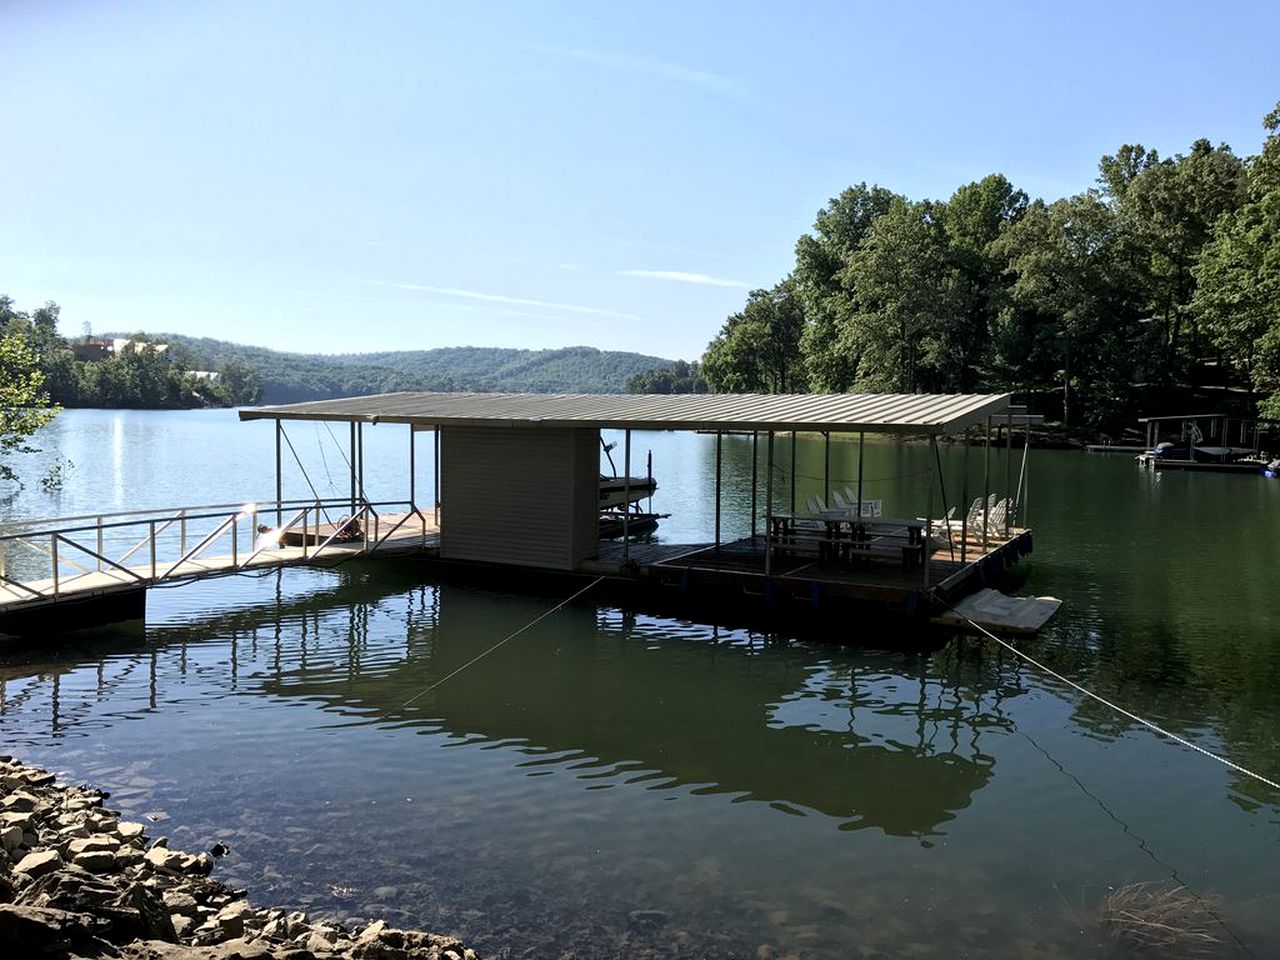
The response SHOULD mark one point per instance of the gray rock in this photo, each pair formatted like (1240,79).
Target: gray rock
(31,931)
(10,837)
(14,818)
(96,861)
(35,865)
(97,843)
(164,859)
(180,901)
(19,802)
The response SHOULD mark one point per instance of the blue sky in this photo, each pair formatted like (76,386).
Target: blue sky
(341,177)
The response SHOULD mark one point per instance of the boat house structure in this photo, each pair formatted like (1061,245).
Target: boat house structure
(817,553)
(518,499)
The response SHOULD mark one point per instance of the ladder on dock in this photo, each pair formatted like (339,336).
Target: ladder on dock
(56,561)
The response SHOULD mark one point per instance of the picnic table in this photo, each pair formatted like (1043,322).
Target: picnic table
(843,536)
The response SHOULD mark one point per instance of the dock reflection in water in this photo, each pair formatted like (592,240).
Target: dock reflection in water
(605,783)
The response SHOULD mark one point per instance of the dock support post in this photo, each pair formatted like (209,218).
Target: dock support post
(793,471)
(768,507)
(1026,483)
(986,486)
(626,498)
(755,465)
(964,498)
(928,512)
(826,466)
(351,463)
(413,472)
(435,483)
(279,478)
(861,438)
(360,460)
(719,439)
(1008,466)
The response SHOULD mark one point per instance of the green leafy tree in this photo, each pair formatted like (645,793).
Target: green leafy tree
(900,273)
(829,344)
(758,349)
(1169,209)
(1074,299)
(24,402)
(680,377)
(239,384)
(1237,295)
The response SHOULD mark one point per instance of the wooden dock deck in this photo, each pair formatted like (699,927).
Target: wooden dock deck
(739,565)
(96,571)
(732,574)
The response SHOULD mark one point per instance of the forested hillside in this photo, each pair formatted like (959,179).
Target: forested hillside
(1159,287)
(288,377)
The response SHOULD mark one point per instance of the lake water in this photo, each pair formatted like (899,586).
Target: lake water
(618,785)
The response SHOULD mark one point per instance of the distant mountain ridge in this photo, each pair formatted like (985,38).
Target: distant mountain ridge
(288,376)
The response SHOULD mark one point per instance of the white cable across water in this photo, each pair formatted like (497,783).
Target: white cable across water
(1119,709)
(511,636)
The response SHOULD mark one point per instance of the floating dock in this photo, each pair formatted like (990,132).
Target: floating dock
(810,558)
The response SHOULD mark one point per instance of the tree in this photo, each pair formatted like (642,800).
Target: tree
(1237,294)
(899,274)
(828,302)
(1169,209)
(680,377)
(24,404)
(239,384)
(1074,300)
(758,349)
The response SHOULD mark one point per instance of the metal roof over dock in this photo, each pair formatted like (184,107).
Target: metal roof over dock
(909,413)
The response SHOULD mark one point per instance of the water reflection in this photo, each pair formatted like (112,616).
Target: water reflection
(610,697)
(755,790)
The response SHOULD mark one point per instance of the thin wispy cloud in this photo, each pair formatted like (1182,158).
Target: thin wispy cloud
(680,276)
(654,66)
(503,298)
(416,304)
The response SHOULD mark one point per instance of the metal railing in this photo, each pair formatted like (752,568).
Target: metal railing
(46,559)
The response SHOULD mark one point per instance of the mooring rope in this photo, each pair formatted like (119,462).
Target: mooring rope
(511,636)
(1183,741)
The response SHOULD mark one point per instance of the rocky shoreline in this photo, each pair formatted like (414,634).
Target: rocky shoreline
(76,881)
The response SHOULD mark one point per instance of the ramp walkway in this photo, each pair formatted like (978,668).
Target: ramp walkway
(49,562)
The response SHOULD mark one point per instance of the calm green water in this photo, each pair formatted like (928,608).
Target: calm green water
(758,795)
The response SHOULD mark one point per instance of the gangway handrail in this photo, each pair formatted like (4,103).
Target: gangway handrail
(361,533)
(171,515)
(146,512)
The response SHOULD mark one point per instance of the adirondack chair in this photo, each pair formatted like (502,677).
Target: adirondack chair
(870,508)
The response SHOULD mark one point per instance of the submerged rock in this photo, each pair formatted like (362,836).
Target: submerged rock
(86,884)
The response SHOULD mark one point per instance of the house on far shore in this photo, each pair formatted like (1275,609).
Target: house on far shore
(95,349)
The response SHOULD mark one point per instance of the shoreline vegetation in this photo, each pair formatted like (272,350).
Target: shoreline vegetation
(77,881)
(1155,292)
(172,371)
